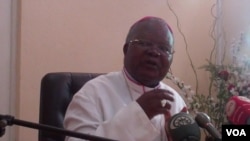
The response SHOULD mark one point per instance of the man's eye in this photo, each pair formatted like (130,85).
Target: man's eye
(145,44)
(163,48)
(148,44)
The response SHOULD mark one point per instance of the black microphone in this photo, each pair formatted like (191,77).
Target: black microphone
(182,127)
(3,124)
(10,120)
(203,120)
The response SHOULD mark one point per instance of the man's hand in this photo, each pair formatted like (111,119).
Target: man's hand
(151,102)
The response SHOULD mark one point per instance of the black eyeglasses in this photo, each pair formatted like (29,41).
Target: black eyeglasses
(162,49)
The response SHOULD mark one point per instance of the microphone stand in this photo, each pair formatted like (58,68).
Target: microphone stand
(10,120)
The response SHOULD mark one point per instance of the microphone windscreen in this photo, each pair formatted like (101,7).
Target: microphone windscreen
(182,127)
(238,110)
(203,120)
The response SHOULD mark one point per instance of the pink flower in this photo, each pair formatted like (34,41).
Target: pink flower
(223,75)
(230,87)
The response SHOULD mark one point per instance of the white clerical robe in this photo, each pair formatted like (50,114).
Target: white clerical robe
(106,107)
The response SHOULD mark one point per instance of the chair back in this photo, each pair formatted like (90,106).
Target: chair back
(56,92)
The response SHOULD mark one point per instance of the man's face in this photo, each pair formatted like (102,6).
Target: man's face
(148,54)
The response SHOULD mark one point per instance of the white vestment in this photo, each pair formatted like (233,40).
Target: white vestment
(106,107)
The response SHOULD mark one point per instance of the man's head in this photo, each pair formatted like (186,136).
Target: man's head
(148,51)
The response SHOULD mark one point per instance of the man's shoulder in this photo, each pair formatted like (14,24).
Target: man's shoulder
(107,78)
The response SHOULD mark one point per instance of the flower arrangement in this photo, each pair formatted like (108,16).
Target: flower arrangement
(226,80)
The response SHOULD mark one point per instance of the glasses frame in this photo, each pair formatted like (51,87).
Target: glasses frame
(162,49)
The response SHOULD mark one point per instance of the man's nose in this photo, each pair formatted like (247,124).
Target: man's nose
(154,51)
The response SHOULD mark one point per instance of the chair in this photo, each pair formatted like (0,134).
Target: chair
(57,90)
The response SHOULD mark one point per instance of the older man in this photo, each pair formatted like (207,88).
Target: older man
(132,104)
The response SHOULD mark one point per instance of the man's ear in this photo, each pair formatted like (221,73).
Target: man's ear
(125,49)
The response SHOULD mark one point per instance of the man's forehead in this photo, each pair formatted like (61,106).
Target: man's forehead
(152,20)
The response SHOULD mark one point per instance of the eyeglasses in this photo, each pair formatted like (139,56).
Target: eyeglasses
(161,48)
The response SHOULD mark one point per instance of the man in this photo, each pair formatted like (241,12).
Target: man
(133,104)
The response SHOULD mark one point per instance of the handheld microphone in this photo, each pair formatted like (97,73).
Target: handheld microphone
(238,110)
(203,120)
(182,127)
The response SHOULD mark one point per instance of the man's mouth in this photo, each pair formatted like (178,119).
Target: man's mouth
(151,64)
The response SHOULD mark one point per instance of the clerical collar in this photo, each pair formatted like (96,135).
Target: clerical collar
(135,84)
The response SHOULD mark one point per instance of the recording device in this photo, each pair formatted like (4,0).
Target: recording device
(238,110)
(182,127)
(203,120)
(10,120)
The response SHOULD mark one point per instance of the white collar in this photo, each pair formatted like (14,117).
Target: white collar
(136,86)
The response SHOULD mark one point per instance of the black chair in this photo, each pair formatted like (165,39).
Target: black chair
(57,90)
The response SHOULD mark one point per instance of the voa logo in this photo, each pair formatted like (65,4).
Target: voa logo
(236,132)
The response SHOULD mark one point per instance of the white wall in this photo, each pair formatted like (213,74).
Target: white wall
(5,62)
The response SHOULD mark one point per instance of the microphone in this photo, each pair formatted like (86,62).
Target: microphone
(203,120)
(10,120)
(2,127)
(238,110)
(182,127)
